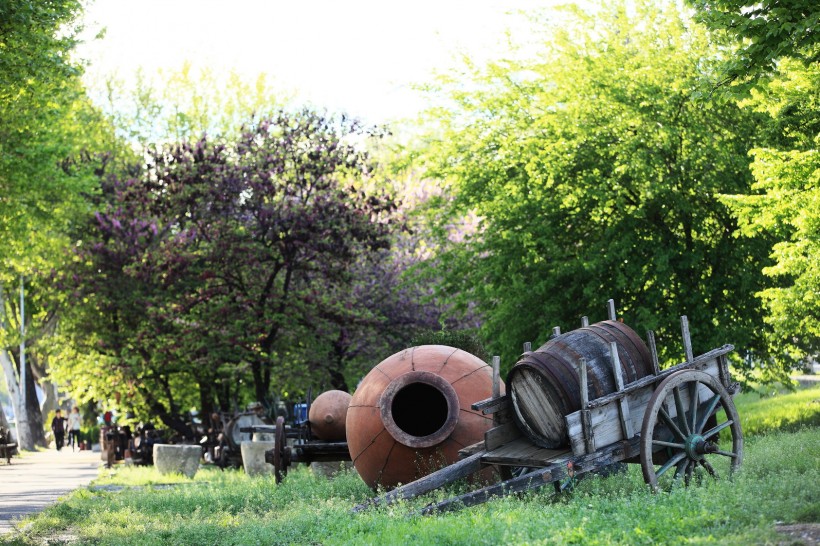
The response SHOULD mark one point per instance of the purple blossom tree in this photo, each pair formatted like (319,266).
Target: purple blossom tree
(211,271)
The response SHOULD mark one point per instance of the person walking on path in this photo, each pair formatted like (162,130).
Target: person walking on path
(74,427)
(58,428)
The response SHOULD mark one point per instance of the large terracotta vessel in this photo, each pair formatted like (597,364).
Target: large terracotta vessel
(411,414)
(327,415)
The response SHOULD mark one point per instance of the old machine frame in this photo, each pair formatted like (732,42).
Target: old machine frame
(296,443)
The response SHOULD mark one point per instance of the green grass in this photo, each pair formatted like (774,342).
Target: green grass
(779,482)
(778,409)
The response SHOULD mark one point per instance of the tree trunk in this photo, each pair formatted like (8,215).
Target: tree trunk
(35,416)
(336,367)
(206,400)
(260,389)
(224,397)
(24,438)
(51,393)
(50,399)
(169,419)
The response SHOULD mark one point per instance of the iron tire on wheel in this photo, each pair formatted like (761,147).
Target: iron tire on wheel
(281,451)
(691,442)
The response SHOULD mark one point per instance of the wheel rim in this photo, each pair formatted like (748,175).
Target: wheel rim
(680,432)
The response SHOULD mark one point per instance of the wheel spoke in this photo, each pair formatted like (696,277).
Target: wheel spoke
(661,443)
(671,424)
(713,402)
(712,432)
(681,411)
(705,464)
(693,403)
(680,468)
(689,468)
(726,454)
(670,463)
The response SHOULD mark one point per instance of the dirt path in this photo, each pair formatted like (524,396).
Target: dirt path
(35,480)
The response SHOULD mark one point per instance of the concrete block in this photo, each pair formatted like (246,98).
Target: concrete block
(181,459)
(253,457)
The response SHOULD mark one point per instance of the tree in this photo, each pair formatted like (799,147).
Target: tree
(48,134)
(784,203)
(591,173)
(213,265)
(777,62)
(183,104)
(764,33)
(390,311)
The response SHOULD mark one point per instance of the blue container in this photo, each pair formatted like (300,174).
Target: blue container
(300,412)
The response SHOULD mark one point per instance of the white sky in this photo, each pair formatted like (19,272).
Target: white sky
(356,56)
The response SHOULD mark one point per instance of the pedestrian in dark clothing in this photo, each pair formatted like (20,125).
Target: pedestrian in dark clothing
(58,425)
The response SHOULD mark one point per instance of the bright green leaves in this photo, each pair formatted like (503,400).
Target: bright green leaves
(763,32)
(597,177)
(785,202)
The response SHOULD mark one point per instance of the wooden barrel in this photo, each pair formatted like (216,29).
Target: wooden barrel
(544,384)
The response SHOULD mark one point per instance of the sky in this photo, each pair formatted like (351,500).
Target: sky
(355,56)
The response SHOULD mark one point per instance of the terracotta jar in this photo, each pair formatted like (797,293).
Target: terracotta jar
(411,414)
(327,415)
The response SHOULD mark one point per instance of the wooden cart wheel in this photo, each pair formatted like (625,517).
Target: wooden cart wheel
(681,430)
(281,452)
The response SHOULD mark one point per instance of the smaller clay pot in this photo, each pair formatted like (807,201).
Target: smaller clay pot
(327,415)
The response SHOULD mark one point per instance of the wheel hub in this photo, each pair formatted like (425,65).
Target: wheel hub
(696,447)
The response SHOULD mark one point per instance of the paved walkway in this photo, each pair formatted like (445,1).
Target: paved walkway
(37,479)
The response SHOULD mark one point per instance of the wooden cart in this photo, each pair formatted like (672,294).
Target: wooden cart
(669,422)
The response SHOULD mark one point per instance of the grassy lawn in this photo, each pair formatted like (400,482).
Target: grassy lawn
(778,409)
(779,484)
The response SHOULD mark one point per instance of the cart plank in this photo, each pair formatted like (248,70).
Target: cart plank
(522,452)
(543,476)
(605,420)
(501,435)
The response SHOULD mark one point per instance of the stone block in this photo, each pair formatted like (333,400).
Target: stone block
(253,457)
(181,459)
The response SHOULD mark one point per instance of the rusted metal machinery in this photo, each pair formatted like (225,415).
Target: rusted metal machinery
(411,414)
(227,450)
(591,398)
(319,438)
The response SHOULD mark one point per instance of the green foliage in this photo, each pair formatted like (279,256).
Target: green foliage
(51,140)
(590,172)
(466,340)
(48,134)
(184,103)
(784,202)
(763,33)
